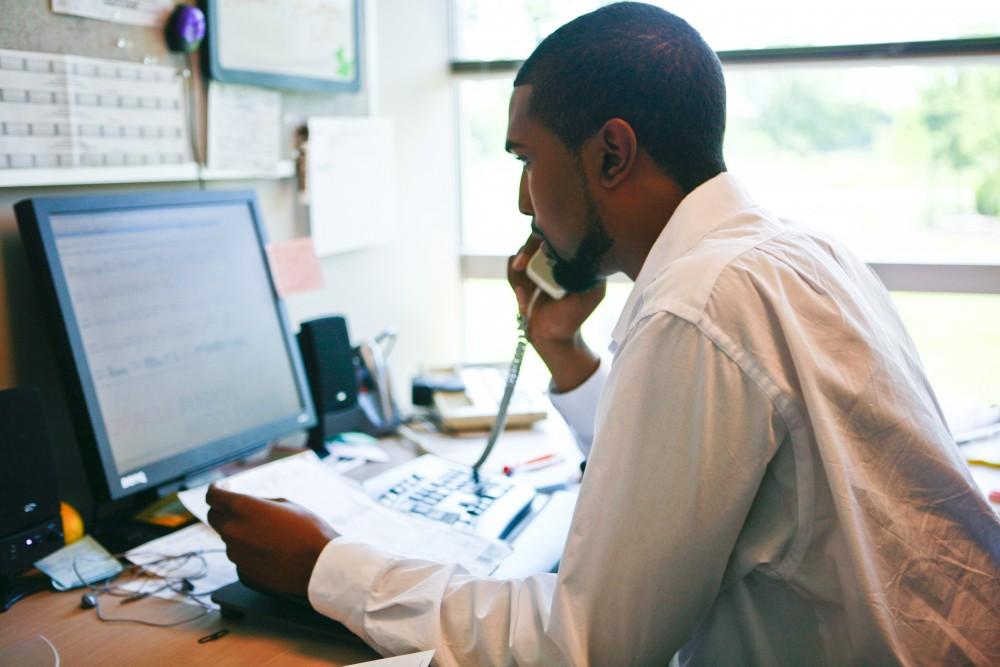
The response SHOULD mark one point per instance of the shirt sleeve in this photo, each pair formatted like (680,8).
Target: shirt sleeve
(578,406)
(400,606)
(682,441)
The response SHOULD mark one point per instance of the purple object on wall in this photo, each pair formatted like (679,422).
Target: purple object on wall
(185,29)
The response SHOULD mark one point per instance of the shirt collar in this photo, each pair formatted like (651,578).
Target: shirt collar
(703,209)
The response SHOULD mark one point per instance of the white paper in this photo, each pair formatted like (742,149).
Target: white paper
(84,559)
(422,659)
(303,479)
(70,111)
(208,573)
(244,125)
(135,12)
(351,184)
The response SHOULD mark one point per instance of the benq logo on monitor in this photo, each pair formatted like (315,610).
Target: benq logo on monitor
(134,479)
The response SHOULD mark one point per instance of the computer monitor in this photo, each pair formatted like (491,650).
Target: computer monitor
(174,346)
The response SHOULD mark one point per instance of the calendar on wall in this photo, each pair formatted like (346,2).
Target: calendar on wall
(70,111)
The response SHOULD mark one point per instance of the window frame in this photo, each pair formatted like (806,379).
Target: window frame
(904,277)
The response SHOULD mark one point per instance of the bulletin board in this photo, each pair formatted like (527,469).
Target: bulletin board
(32,26)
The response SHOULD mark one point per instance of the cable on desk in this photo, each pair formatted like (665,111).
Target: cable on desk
(55,651)
(179,584)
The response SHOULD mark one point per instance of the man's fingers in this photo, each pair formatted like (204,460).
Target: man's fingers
(223,499)
(519,262)
(517,278)
(217,520)
(522,299)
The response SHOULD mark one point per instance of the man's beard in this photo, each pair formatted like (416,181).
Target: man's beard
(581,273)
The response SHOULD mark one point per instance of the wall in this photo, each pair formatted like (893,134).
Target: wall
(411,285)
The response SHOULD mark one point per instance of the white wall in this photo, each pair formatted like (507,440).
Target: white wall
(411,285)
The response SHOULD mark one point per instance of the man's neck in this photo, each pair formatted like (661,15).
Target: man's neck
(641,219)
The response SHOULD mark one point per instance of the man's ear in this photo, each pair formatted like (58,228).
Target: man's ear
(618,148)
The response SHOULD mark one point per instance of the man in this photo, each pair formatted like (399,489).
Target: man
(771,480)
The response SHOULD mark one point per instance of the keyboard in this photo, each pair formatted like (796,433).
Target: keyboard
(443,491)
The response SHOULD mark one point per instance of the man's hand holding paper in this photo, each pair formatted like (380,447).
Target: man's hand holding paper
(274,543)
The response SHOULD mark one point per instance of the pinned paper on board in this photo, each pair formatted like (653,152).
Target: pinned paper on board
(351,183)
(295,266)
(243,127)
(70,111)
(152,13)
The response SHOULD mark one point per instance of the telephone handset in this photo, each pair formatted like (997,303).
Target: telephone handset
(540,271)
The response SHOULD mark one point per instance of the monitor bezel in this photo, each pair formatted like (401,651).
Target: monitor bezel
(110,483)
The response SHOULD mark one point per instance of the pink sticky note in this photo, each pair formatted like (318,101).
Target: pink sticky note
(995,496)
(295,266)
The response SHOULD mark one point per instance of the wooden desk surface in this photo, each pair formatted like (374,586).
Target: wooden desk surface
(82,639)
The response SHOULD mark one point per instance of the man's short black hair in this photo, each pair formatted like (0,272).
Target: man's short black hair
(644,65)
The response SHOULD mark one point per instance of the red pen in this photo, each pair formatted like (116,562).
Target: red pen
(533,464)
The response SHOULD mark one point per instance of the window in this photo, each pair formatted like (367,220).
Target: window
(877,122)
(486,30)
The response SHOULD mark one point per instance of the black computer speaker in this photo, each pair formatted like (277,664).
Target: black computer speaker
(330,368)
(329,362)
(30,527)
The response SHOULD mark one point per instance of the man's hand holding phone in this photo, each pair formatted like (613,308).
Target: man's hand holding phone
(554,327)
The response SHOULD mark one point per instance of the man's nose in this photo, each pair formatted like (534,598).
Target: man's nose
(523,198)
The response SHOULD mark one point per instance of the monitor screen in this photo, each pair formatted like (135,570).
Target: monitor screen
(178,350)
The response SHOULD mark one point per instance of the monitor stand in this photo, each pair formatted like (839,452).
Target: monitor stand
(117,531)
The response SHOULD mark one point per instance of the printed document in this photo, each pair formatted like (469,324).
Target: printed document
(305,480)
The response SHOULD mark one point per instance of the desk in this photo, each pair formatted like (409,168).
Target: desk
(82,639)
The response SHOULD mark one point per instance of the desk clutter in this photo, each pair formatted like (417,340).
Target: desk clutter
(465,398)
(176,368)
(190,564)
(170,328)
(305,480)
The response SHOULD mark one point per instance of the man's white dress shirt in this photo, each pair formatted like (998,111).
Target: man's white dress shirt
(771,482)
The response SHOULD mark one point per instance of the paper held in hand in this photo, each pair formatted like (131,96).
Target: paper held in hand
(305,480)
